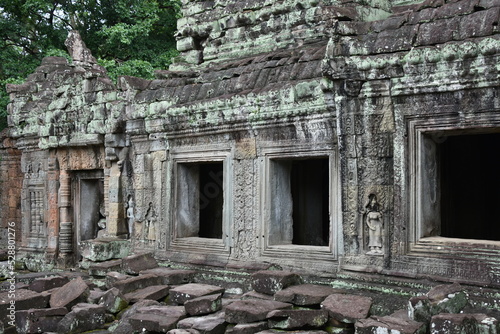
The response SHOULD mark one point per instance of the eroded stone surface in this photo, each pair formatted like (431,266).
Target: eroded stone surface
(186,292)
(346,307)
(463,323)
(204,305)
(304,294)
(271,281)
(70,294)
(296,319)
(83,317)
(172,276)
(39,320)
(252,310)
(136,263)
(154,292)
(388,324)
(212,324)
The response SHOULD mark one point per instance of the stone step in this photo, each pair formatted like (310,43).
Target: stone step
(172,276)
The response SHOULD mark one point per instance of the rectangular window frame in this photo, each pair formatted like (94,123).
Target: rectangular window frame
(424,235)
(196,244)
(295,251)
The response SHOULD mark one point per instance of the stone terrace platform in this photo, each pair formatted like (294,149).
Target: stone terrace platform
(135,295)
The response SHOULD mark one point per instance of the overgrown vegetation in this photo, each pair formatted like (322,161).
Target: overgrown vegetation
(128,37)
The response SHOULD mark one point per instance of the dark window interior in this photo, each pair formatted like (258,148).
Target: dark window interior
(470,186)
(310,194)
(211,200)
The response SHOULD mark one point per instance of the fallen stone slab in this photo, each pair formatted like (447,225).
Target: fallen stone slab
(156,318)
(257,295)
(114,276)
(463,323)
(137,306)
(347,308)
(247,328)
(271,281)
(296,319)
(134,264)
(172,276)
(252,310)
(70,294)
(142,322)
(103,268)
(136,282)
(209,324)
(98,250)
(154,292)
(189,291)
(183,331)
(39,320)
(47,283)
(305,294)
(204,305)
(23,299)
(445,298)
(113,301)
(83,317)
(94,295)
(388,324)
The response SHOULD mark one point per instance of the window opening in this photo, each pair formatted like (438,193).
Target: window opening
(300,202)
(470,186)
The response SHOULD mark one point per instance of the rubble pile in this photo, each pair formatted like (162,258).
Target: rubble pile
(145,298)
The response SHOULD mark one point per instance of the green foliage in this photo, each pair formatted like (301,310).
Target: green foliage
(129,37)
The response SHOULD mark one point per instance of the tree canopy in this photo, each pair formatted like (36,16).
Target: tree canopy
(128,37)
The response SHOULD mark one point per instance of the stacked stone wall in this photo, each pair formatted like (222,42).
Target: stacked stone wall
(10,190)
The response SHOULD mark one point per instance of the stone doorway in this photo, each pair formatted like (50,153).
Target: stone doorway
(88,205)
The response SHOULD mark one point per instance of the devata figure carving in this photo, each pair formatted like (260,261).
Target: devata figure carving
(373,219)
(130,215)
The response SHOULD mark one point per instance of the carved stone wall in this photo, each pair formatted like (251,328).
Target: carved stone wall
(260,84)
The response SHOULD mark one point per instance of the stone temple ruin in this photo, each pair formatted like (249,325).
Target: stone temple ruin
(333,138)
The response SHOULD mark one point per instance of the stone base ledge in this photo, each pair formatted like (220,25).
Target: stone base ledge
(98,250)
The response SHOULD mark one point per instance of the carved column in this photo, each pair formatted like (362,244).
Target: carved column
(53,210)
(66,223)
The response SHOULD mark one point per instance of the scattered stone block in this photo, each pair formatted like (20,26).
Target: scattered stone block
(133,264)
(252,310)
(389,324)
(304,294)
(186,292)
(152,322)
(209,324)
(83,317)
(95,295)
(156,318)
(47,283)
(204,305)
(39,320)
(247,328)
(98,250)
(103,268)
(183,331)
(154,292)
(135,283)
(446,298)
(113,300)
(70,294)
(463,323)
(172,276)
(113,276)
(24,300)
(271,281)
(296,319)
(257,295)
(347,308)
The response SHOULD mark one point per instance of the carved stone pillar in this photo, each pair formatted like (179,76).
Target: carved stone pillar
(53,209)
(66,223)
